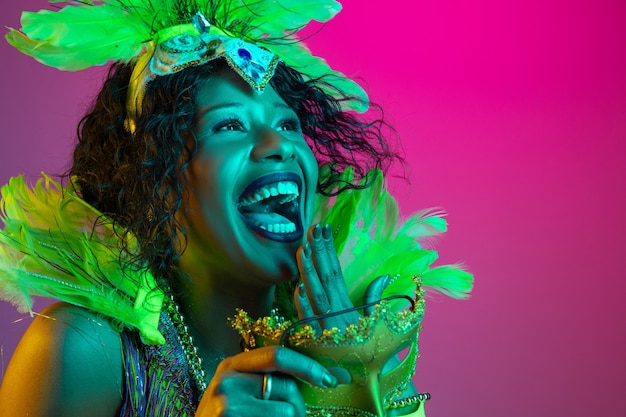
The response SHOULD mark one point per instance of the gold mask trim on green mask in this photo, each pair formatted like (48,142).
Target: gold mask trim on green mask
(363,350)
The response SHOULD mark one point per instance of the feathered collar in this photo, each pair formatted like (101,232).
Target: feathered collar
(56,245)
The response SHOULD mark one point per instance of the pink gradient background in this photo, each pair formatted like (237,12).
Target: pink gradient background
(513,118)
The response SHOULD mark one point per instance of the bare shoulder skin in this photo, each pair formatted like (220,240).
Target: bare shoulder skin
(69,363)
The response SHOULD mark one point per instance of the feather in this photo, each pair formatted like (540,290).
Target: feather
(84,34)
(296,55)
(372,240)
(450,280)
(275,18)
(75,38)
(55,245)
(425,223)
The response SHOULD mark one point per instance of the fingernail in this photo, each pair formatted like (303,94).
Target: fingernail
(329,381)
(307,250)
(326,232)
(386,280)
(317,231)
(302,290)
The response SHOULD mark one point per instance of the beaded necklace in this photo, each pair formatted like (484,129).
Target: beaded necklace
(194,361)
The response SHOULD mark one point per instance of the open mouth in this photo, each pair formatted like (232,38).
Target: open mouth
(270,205)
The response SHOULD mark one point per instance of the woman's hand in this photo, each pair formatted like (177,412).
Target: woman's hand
(240,386)
(323,289)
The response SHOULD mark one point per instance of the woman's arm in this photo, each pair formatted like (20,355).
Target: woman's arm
(68,363)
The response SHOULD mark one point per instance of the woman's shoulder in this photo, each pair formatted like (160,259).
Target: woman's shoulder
(69,362)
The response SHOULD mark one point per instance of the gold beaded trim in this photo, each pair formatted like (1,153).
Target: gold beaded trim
(339,411)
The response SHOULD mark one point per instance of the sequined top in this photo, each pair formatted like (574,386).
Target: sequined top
(157,379)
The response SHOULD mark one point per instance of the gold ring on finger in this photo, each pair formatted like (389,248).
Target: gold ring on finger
(266,390)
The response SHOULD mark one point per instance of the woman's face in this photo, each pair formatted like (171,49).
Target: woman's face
(251,184)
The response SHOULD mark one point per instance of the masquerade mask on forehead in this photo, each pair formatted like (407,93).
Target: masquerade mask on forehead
(183,46)
(166,36)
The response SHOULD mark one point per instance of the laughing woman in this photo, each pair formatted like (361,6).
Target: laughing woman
(194,246)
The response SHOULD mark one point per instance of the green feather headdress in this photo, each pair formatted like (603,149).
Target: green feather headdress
(164,36)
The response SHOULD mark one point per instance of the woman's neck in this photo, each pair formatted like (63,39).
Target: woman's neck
(208,301)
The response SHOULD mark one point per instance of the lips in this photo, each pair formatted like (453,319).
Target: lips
(270,205)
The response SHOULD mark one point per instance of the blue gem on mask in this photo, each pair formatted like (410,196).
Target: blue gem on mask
(245,54)
(253,69)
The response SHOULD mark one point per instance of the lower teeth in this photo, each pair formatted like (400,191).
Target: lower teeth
(279,228)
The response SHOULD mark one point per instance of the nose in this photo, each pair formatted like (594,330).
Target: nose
(272,146)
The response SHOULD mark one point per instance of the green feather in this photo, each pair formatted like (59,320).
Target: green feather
(78,37)
(372,240)
(275,18)
(84,34)
(55,245)
(450,280)
(297,55)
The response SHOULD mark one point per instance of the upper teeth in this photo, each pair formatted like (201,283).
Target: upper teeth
(288,189)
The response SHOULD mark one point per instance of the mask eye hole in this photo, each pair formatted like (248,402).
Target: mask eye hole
(396,360)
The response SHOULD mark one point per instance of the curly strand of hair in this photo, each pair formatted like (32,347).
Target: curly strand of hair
(340,139)
(138,180)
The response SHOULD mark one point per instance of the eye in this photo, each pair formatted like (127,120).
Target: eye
(228,125)
(290,124)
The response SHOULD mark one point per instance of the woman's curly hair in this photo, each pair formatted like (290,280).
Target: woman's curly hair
(138,180)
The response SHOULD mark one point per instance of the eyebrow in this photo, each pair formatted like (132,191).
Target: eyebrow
(278,105)
(235,104)
(206,109)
